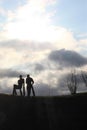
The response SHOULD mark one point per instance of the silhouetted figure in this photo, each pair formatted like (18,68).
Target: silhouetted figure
(19,86)
(30,82)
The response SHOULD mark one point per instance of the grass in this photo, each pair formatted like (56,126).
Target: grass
(50,112)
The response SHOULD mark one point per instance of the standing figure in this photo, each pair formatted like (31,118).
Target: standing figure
(30,82)
(19,86)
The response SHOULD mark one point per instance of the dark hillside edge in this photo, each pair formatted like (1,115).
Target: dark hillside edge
(51,113)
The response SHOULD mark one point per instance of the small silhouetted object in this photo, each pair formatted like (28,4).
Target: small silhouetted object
(30,82)
(19,86)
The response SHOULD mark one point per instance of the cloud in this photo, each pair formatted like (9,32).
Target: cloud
(67,58)
(46,70)
(2,12)
(34,22)
(10,57)
(39,67)
(9,73)
(28,21)
(41,3)
(20,45)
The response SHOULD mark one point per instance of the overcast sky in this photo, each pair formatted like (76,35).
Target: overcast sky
(44,38)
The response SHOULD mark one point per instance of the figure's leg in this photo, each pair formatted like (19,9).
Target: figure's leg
(20,92)
(33,91)
(28,91)
(14,89)
(23,91)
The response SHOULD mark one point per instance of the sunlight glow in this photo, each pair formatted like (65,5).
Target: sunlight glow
(31,22)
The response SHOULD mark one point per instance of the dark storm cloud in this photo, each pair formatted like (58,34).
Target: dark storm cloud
(9,73)
(67,58)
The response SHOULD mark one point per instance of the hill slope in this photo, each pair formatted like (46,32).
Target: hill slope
(51,113)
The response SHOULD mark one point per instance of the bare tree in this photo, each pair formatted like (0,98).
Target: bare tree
(72,82)
(84,77)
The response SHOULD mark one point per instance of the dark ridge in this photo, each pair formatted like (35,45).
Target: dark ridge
(47,113)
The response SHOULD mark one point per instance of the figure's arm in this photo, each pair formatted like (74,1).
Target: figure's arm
(32,81)
(23,83)
(18,82)
(23,87)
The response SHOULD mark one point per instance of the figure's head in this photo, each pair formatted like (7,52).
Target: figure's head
(28,75)
(20,76)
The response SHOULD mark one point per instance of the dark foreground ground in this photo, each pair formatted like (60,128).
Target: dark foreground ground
(47,113)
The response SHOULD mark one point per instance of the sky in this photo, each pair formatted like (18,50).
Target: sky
(46,39)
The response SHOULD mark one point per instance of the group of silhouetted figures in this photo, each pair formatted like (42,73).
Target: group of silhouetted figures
(21,86)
